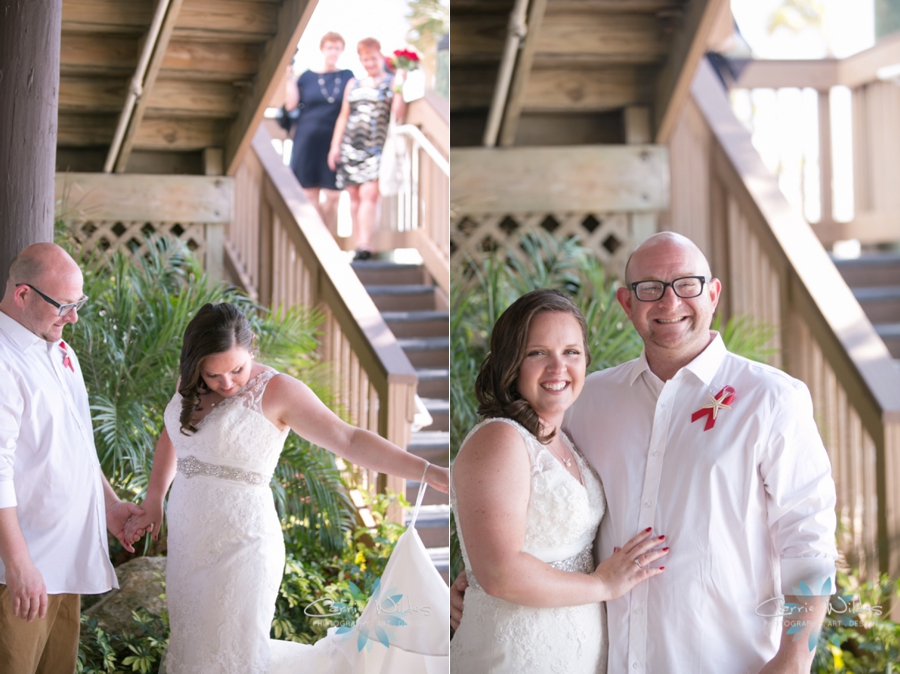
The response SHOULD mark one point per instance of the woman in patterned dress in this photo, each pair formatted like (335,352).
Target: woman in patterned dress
(359,136)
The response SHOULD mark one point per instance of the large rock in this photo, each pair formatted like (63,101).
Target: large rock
(140,584)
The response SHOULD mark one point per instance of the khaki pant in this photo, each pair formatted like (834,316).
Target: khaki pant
(43,646)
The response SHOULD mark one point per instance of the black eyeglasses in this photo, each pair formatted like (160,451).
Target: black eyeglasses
(685,287)
(64,309)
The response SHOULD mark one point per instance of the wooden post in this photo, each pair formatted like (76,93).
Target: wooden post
(29,97)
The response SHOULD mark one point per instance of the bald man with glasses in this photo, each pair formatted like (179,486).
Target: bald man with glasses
(55,503)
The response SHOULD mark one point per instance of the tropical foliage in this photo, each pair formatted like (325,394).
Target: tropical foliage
(128,339)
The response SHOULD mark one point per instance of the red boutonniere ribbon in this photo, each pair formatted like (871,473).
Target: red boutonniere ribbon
(721,401)
(67,362)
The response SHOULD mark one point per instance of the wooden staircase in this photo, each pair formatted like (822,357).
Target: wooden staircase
(874,279)
(417,313)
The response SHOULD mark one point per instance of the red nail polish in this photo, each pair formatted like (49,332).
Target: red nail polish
(662,568)
(665,549)
(662,538)
(648,530)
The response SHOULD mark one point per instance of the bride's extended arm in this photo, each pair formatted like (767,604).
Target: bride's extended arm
(165,464)
(492,479)
(289,402)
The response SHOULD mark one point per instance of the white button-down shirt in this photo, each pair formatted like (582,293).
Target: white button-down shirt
(747,507)
(48,463)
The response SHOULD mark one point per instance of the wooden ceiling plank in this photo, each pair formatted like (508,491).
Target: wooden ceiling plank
(180,134)
(513,110)
(614,36)
(293,17)
(617,6)
(74,130)
(478,37)
(156,59)
(87,95)
(186,98)
(107,16)
(613,87)
(82,54)
(688,47)
(229,16)
(184,58)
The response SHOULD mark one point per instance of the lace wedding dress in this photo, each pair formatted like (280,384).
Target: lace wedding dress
(226,561)
(497,636)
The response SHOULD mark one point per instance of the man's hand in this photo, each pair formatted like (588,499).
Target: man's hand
(457,590)
(117,515)
(27,591)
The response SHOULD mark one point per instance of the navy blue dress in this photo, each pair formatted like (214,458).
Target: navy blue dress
(321,95)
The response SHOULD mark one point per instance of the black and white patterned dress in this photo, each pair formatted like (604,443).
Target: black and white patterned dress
(370,112)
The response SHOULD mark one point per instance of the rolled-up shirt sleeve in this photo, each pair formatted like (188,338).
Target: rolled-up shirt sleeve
(801,496)
(11,407)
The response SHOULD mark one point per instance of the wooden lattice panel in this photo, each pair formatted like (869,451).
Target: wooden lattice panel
(130,236)
(607,234)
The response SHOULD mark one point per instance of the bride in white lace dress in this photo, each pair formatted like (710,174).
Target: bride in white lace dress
(224,432)
(528,506)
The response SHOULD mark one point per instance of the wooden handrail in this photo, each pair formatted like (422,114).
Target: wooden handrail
(281,251)
(825,336)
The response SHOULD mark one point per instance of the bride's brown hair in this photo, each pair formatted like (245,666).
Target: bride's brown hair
(215,329)
(497,384)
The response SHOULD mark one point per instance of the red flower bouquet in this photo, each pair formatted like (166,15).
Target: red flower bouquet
(405,59)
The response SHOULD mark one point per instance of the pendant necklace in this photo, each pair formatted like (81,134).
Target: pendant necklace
(566,462)
(335,90)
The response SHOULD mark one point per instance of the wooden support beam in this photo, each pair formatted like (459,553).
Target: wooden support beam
(863,67)
(293,15)
(674,82)
(137,115)
(521,73)
(587,90)
(155,198)
(588,178)
(821,74)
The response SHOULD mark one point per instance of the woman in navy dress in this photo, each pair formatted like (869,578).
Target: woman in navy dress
(319,94)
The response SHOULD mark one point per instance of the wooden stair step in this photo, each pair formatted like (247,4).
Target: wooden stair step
(426,351)
(425,323)
(385,272)
(434,382)
(432,446)
(433,525)
(890,334)
(439,409)
(432,496)
(402,297)
(881,303)
(871,269)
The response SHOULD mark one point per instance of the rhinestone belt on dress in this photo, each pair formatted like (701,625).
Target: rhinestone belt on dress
(192,466)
